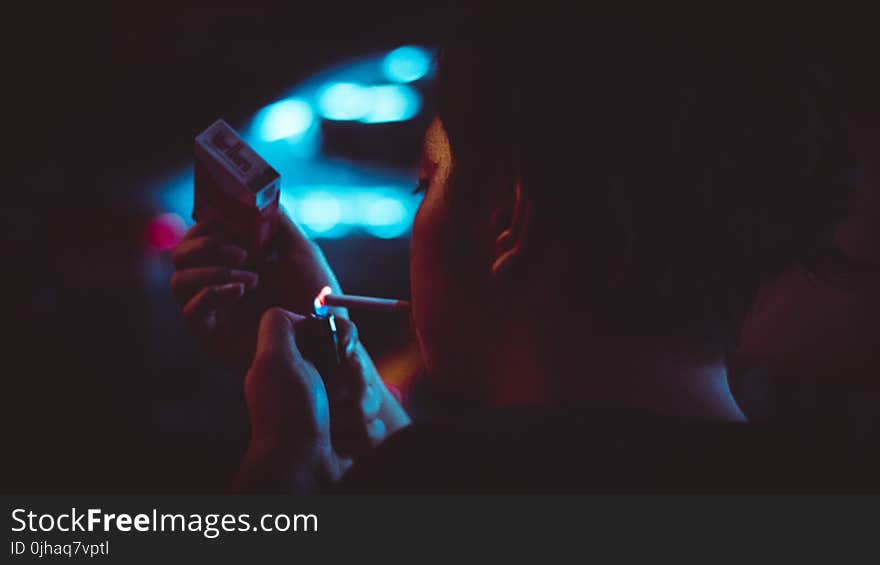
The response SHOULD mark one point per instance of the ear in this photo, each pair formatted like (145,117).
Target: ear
(514,231)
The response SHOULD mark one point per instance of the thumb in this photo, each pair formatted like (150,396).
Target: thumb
(276,336)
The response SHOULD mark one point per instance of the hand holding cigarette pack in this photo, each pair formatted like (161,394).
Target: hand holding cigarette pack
(235,188)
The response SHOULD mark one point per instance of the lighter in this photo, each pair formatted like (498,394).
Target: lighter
(319,343)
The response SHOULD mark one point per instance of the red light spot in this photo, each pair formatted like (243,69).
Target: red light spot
(323,295)
(165,231)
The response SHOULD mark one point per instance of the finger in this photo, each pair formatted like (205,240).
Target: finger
(371,402)
(358,372)
(201,228)
(276,336)
(187,282)
(355,411)
(376,432)
(206,302)
(347,334)
(207,250)
(355,423)
(352,440)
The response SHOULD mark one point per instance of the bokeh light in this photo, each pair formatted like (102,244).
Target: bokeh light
(385,217)
(284,119)
(345,101)
(328,195)
(165,231)
(319,211)
(392,103)
(406,64)
(369,104)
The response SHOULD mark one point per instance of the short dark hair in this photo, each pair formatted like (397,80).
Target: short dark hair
(678,167)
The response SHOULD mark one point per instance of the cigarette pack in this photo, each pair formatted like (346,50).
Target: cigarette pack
(235,188)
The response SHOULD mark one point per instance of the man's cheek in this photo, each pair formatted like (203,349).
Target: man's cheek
(427,292)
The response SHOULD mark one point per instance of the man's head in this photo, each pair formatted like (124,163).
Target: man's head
(638,178)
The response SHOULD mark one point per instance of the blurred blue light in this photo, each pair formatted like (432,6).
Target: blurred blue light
(323,211)
(330,197)
(175,194)
(287,118)
(392,103)
(406,64)
(319,211)
(383,211)
(385,217)
(333,211)
(345,101)
(369,104)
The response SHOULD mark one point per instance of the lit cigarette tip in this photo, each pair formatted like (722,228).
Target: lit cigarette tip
(321,299)
(326,299)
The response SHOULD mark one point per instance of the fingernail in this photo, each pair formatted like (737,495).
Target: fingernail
(235,254)
(249,279)
(234,289)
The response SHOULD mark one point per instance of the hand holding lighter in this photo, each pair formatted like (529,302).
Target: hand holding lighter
(319,343)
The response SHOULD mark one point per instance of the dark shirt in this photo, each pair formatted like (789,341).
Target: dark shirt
(543,450)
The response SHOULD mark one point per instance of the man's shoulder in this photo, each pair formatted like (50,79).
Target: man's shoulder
(531,449)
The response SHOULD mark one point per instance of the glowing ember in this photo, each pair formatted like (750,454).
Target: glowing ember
(320,302)
(323,295)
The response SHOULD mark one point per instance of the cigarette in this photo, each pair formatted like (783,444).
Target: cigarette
(326,299)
